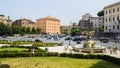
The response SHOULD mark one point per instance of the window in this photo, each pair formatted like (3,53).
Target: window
(106,12)
(118,9)
(117,17)
(109,19)
(113,19)
(117,27)
(106,27)
(109,11)
(106,19)
(113,10)
(113,27)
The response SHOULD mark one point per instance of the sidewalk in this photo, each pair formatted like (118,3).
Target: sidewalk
(61,49)
(113,54)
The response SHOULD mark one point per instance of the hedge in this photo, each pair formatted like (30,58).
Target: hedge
(28,47)
(69,55)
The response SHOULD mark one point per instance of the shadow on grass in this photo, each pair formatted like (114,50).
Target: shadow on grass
(104,64)
(4,66)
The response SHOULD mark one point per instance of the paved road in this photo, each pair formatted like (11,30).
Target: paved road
(109,44)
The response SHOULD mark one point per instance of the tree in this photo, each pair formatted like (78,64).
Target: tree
(5,29)
(16,30)
(100,13)
(75,31)
(38,31)
(100,28)
(28,31)
(33,30)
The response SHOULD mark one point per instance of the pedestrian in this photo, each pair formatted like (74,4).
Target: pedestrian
(115,49)
(46,50)
(33,50)
(111,50)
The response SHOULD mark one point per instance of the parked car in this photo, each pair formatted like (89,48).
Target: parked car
(104,40)
(49,37)
(4,36)
(56,38)
(37,40)
(68,38)
(79,39)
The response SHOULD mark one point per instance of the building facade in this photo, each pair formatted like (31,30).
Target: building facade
(97,22)
(48,25)
(23,23)
(85,23)
(86,17)
(3,20)
(112,18)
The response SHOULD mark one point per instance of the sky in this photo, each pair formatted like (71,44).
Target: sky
(67,11)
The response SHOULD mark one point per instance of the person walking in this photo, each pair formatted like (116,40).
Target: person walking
(46,50)
(115,49)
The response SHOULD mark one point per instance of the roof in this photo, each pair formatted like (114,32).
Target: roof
(117,3)
(49,17)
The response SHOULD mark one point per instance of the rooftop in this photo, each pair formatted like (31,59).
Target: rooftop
(117,3)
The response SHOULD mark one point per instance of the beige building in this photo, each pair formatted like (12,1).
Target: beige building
(49,25)
(23,23)
(3,20)
(112,18)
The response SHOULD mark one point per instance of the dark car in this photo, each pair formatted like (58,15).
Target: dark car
(56,38)
(104,40)
(49,37)
(68,38)
(4,36)
(79,39)
(37,40)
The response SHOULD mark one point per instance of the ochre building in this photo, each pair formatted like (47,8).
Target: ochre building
(49,25)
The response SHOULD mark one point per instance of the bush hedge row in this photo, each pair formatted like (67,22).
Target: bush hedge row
(70,55)
(28,47)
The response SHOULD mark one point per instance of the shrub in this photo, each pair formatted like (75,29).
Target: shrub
(39,54)
(52,54)
(63,55)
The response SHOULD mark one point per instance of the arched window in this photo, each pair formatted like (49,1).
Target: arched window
(118,27)
(113,18)
(117,17)
(118,9)
(113,27)
(109,19)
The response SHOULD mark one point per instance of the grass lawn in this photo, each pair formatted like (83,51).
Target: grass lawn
(54,62)
(13,49)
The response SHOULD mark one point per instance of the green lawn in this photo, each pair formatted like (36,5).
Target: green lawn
(13,49)
(54,62)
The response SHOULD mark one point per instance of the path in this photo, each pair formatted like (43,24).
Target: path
(61,49)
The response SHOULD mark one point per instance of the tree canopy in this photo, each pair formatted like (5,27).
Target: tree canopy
(75,31)
(100,13)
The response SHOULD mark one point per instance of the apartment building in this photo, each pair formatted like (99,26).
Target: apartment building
(49,25)
(112,19)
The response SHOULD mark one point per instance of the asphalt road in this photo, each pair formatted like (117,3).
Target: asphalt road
(109,44)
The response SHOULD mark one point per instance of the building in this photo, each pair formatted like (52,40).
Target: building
(23,23)
(85,23)
(112,20)
(3,20)
(86,17)
(97,22)
(9,21)
(48,25)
